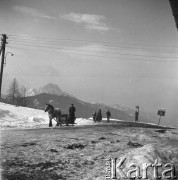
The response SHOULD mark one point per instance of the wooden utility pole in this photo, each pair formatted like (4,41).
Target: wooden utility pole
(174,7)
(159,120)
(3,48)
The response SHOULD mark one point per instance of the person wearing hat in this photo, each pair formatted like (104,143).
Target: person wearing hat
(72,113)
(108,116)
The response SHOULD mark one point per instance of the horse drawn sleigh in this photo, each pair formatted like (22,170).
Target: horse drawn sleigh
(56,114)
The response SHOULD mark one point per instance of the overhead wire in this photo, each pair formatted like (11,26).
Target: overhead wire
(69,42)
(118,58)
(109,48)
(83,50)
(80,40)
(113,53)
(98,45)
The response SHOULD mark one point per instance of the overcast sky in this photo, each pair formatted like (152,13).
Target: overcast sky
(107,51)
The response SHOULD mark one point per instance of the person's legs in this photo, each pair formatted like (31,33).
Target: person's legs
(73,116)
(50,123)
(58,119)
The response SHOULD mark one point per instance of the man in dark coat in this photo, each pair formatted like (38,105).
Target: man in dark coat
(99,116)
(94,116)
(108,116)
(136,113)
(72,113)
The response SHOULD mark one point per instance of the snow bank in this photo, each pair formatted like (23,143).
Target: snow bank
(16,116)
(81,121)
(150,154)
(21,117)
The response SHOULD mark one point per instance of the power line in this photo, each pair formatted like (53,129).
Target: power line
(69,42)
(79,44)
(114,57)
(105,52)
(52,39)
(46,44)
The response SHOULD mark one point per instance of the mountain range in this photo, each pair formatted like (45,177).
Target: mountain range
(49,88)
(52,93)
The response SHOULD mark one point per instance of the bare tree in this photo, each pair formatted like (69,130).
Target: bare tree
(23,94)
(13,92)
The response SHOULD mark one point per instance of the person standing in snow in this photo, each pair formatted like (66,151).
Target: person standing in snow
(72,113)
(136,113)
(94,116)
(99,116)
(108,116)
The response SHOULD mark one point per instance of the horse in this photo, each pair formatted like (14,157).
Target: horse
(55,113)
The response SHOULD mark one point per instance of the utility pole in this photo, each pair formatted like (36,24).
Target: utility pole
(174,7)
(3,48)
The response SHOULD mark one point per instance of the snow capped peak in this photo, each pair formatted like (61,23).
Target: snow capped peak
(52,89)
(48,88)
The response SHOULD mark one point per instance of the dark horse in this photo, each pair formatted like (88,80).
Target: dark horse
(55,113)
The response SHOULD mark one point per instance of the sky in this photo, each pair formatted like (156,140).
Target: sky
(106,51)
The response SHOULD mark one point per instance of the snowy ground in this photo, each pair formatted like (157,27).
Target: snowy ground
(79,152)
(21,117)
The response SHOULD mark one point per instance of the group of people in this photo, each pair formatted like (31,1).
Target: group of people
(97,116)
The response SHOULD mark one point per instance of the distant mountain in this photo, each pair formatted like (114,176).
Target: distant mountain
(83,109)
(49,88)
(53,94)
